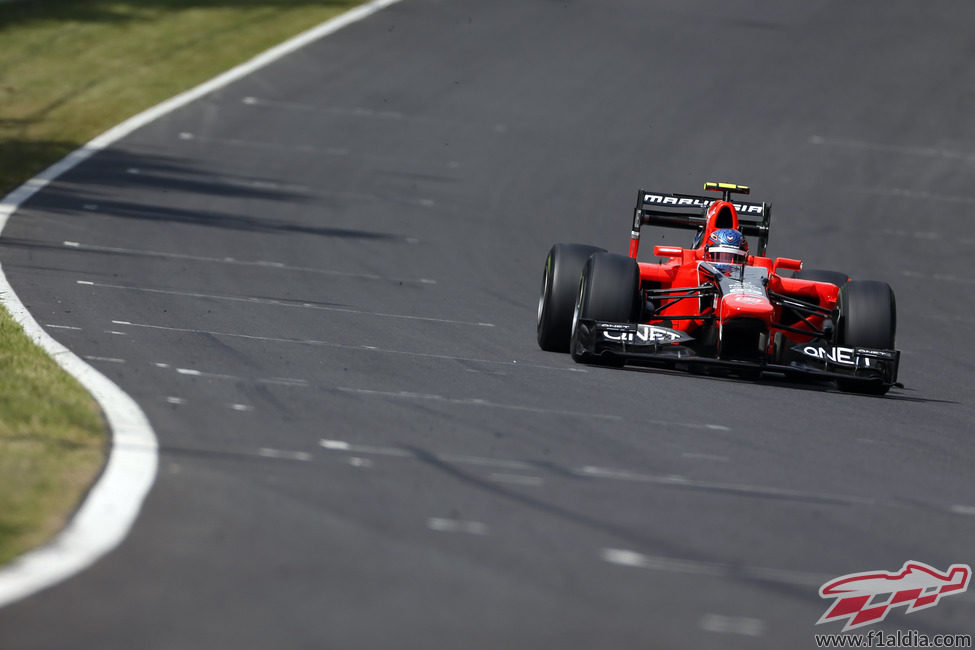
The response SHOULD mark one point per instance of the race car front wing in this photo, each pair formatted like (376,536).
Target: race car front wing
(640,343)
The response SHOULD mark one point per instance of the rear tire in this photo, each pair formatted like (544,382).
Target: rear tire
(868,319)
(560,283)
(609,290)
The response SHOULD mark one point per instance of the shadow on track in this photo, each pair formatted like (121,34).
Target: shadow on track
(809,384)
(117,173)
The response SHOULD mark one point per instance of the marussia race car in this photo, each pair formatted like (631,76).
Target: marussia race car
(714,306)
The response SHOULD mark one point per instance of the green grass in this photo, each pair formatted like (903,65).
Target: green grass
(52,442)
(69,70)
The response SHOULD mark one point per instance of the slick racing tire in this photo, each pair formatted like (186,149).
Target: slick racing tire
(868,319)
(560,282)
(608,291)
(822,275)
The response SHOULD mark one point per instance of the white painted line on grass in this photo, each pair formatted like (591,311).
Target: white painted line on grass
(281,303)
(113,503)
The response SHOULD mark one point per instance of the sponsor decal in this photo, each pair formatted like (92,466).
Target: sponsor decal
(615,327)
(866,598)
(692,202)
(641,334)
(749,300)
(838,355)
(736,287)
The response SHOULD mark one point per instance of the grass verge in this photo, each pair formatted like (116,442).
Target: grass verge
(68,71)
(52,442)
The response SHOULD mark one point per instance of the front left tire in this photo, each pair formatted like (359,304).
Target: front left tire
(609,290)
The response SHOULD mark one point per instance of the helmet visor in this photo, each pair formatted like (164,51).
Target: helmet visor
(727,255)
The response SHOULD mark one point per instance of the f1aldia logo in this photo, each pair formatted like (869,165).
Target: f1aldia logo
(866,598)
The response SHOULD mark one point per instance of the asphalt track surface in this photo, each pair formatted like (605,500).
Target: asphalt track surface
(320,285)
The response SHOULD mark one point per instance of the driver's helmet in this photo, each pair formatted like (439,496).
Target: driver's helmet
(727,249)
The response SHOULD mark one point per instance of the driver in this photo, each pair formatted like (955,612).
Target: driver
(727,249)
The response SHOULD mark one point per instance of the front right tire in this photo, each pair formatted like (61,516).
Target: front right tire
(867,319)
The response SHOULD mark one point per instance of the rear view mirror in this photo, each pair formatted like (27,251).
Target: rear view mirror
(668,251)
(786,264)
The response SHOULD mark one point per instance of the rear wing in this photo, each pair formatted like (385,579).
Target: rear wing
(687,211)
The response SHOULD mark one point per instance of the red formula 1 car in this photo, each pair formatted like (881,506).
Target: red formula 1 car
(714,306)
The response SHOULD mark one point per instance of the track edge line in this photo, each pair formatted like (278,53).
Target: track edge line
(113,503)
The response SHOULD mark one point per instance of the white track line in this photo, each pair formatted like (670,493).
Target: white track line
(442,525)
(279,303)
(628,558)
(882,147)
(262,264)
(730,488)
(284,454)
(473,401)
(345,346)
(112,505)
(399,452)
